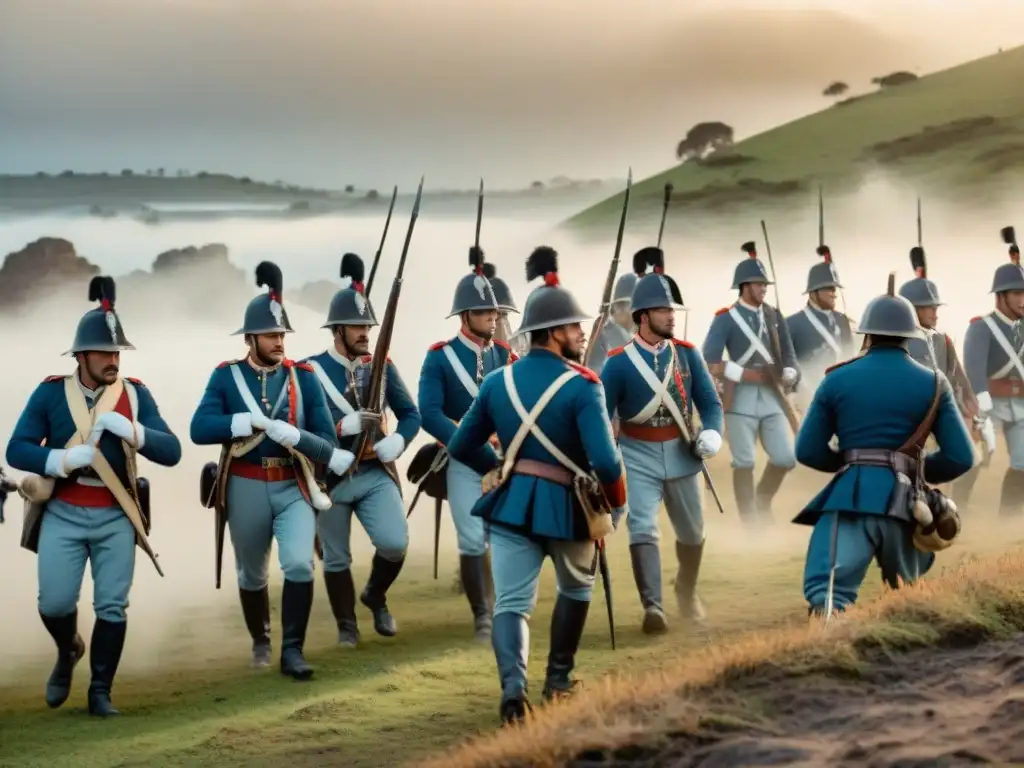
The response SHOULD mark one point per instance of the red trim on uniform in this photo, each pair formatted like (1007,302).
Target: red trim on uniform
(683,343)
(680,385)
(124,406)
(512,357)
(472,336)
(226,363)
(251,471)
(358,287)
(133,380)
(844,362)
(616,492)
(502,344)
(585,372)
(722,311)
(437,345)
(616,351)
(649,434)
(79,495)
(56,377)
(975,319)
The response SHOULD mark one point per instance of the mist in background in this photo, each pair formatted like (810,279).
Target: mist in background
(376,92)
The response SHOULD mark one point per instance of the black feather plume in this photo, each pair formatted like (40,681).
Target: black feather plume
(677,297)
(269,274)
(103,288)
(750,248)
(543,261)
(918,261)
(476,257)
(648,257)
(490,272)
(352,266)
(1009,236)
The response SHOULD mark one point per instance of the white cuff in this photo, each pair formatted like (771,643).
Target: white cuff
(140,436)
(733,371)
(241,425)
(984,402)
(55,463)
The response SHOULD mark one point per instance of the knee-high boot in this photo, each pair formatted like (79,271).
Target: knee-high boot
(382,575)
(70,649)
(510,638)
(474,581)
(567,622)
(296,604)
(646,560)
(256,611)
(341,592)
(104,657)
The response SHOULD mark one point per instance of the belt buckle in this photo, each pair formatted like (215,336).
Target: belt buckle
(277,462)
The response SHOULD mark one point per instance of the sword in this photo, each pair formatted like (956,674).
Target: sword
(376,258)
(833,558)
(437,532)
(606,582)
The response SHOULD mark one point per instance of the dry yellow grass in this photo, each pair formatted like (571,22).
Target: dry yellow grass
(978,599)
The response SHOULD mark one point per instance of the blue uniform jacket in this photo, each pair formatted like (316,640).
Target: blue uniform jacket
(350,376)
(47,418)
(211,423)
(443,398)
(627,393)
(809,345)
(984,357)
(576,421)
(877,400)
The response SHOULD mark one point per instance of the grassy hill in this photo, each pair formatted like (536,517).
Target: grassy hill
(950,131)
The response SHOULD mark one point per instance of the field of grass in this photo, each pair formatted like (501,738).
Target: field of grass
(945,131)
(401,700)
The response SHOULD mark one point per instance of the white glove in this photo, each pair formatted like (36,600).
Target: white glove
(988,434)
(132,433)
(283,433)
(259,420)
(985,402)
(733,371)
(340,461)
(61,462)
(708,444)
(357,421)
(833,443)
(241,425)
(789,376)
(390,448)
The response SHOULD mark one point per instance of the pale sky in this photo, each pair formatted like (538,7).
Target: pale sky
(375,92)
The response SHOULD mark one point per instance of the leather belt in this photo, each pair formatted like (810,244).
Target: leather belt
(559,475)
(649,434)
(1006,387)
(754,376)
(268,471)
(879,457)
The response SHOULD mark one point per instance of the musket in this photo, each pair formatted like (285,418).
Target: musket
(606,582)
(664,210)
(919,242)
(773,334)
(479,213)
(609,283)
(821,241)
(383,237)
(375,394)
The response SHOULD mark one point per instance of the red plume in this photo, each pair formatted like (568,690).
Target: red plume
(551,279)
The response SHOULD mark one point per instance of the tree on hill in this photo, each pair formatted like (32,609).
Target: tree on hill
(894,78)
(350,188)
(838,88)
(702,139)
(537,185)
(127,172)
(373,194)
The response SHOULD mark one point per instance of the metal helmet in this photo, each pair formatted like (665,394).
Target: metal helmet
(266,313)
(474,291)
(100,329)
(921,292)
(350,305)
(823,274)
(502,293)
(750,270)
(655,289)
(890,315)
(550,305)
(1009,277)
(623,291)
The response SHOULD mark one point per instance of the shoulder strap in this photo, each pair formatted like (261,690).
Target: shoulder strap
(332,391)
(529,422)
(460,371)
(915,444)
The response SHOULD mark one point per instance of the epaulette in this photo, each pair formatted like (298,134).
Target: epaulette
(136,382)
(226,363)
(683,343)
(303,366)
(975,319)
(585,372)
(616,351)
(503,344)
(57,377)
(844,362)
(438,345)
(368,358)
(722,311)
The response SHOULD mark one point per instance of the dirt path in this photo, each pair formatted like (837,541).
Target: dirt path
(935,708)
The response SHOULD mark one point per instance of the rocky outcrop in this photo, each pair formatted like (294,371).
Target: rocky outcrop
(317,295)
(44,267)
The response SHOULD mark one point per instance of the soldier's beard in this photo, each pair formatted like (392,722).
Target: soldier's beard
(573,355)
(262,359)
(662,331)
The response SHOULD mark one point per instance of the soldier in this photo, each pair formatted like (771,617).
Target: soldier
(566,438)
(83,431)
(651,385)
(866,512)
(821,335)
(506,304)
(992,358)
(270,415)
(753,334)
(936,350)
(619,328)
(449,380)
(373,492)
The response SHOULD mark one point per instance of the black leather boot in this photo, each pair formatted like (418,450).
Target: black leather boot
(256,610)
(510,638)
(341,591)
(296,603)
(771,481)
(743,488)
(567,622)
(474,581)
(70,649)
(646,559)
(690,606)
(382,575)
(104,658)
